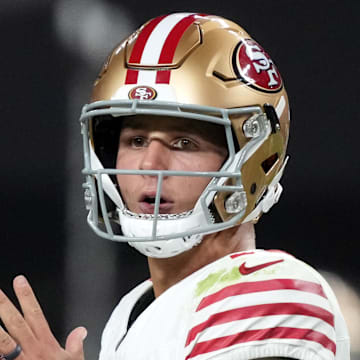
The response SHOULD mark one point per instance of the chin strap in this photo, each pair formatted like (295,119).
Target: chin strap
(167,248)
(138,227)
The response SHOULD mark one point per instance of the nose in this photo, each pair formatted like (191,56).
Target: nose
(155,156)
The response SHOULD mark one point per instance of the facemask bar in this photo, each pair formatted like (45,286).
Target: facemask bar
(132,107)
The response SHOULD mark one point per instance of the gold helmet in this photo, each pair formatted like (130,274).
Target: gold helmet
(201,67)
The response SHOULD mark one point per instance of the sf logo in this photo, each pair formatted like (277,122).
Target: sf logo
(262,63)
(142,93)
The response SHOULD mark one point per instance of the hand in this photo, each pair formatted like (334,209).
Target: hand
(31,330)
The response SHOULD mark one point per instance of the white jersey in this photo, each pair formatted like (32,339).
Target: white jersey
(247,305)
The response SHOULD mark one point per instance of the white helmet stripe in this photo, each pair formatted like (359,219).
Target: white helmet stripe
(157,39)
(160,40)
(280,107)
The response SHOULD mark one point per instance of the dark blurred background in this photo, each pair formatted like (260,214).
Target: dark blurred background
(50,53)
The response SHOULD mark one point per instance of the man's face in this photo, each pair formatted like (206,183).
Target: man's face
(167,143)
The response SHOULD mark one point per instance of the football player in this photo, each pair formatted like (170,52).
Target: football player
(184,146)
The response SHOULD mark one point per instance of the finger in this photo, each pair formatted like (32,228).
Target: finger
(8,345)
(32,311)
(14,322)
(75,342)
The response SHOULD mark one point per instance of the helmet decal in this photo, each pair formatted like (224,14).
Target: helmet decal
(142,93)
(254,66)
(156,45)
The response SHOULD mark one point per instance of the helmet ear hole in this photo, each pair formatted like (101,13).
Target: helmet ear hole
(269,163)
(272,116)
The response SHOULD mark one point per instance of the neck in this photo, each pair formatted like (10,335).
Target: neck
(167,272)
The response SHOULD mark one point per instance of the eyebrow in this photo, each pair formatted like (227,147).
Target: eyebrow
(210,132)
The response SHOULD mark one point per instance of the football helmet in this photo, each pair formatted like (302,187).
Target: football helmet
(199,67)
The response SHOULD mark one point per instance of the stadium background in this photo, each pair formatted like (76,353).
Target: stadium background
(51,52)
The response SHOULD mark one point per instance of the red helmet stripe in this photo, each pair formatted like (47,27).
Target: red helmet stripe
(171,42)
(163,77)
(142,39)
(131,76)
(137,51)
(156,44)
(169,47)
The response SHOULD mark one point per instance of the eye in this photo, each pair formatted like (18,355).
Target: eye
(184,144)
(137,141)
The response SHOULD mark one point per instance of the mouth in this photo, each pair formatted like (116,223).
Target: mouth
(147,204)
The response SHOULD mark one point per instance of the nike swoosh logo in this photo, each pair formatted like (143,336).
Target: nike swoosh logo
(246,270)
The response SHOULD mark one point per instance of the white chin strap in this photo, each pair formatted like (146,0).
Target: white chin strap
(133,225)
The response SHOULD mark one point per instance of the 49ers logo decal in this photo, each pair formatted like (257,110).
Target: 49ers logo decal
(253,66)
(142,93)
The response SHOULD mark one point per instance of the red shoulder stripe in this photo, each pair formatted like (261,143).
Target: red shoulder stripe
(263,334)
(259,311)
(257,286)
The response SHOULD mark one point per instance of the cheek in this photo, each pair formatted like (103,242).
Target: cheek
(127,183)
(123,160)
(203,162)
(129,186)
(188,191)
(190,188)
